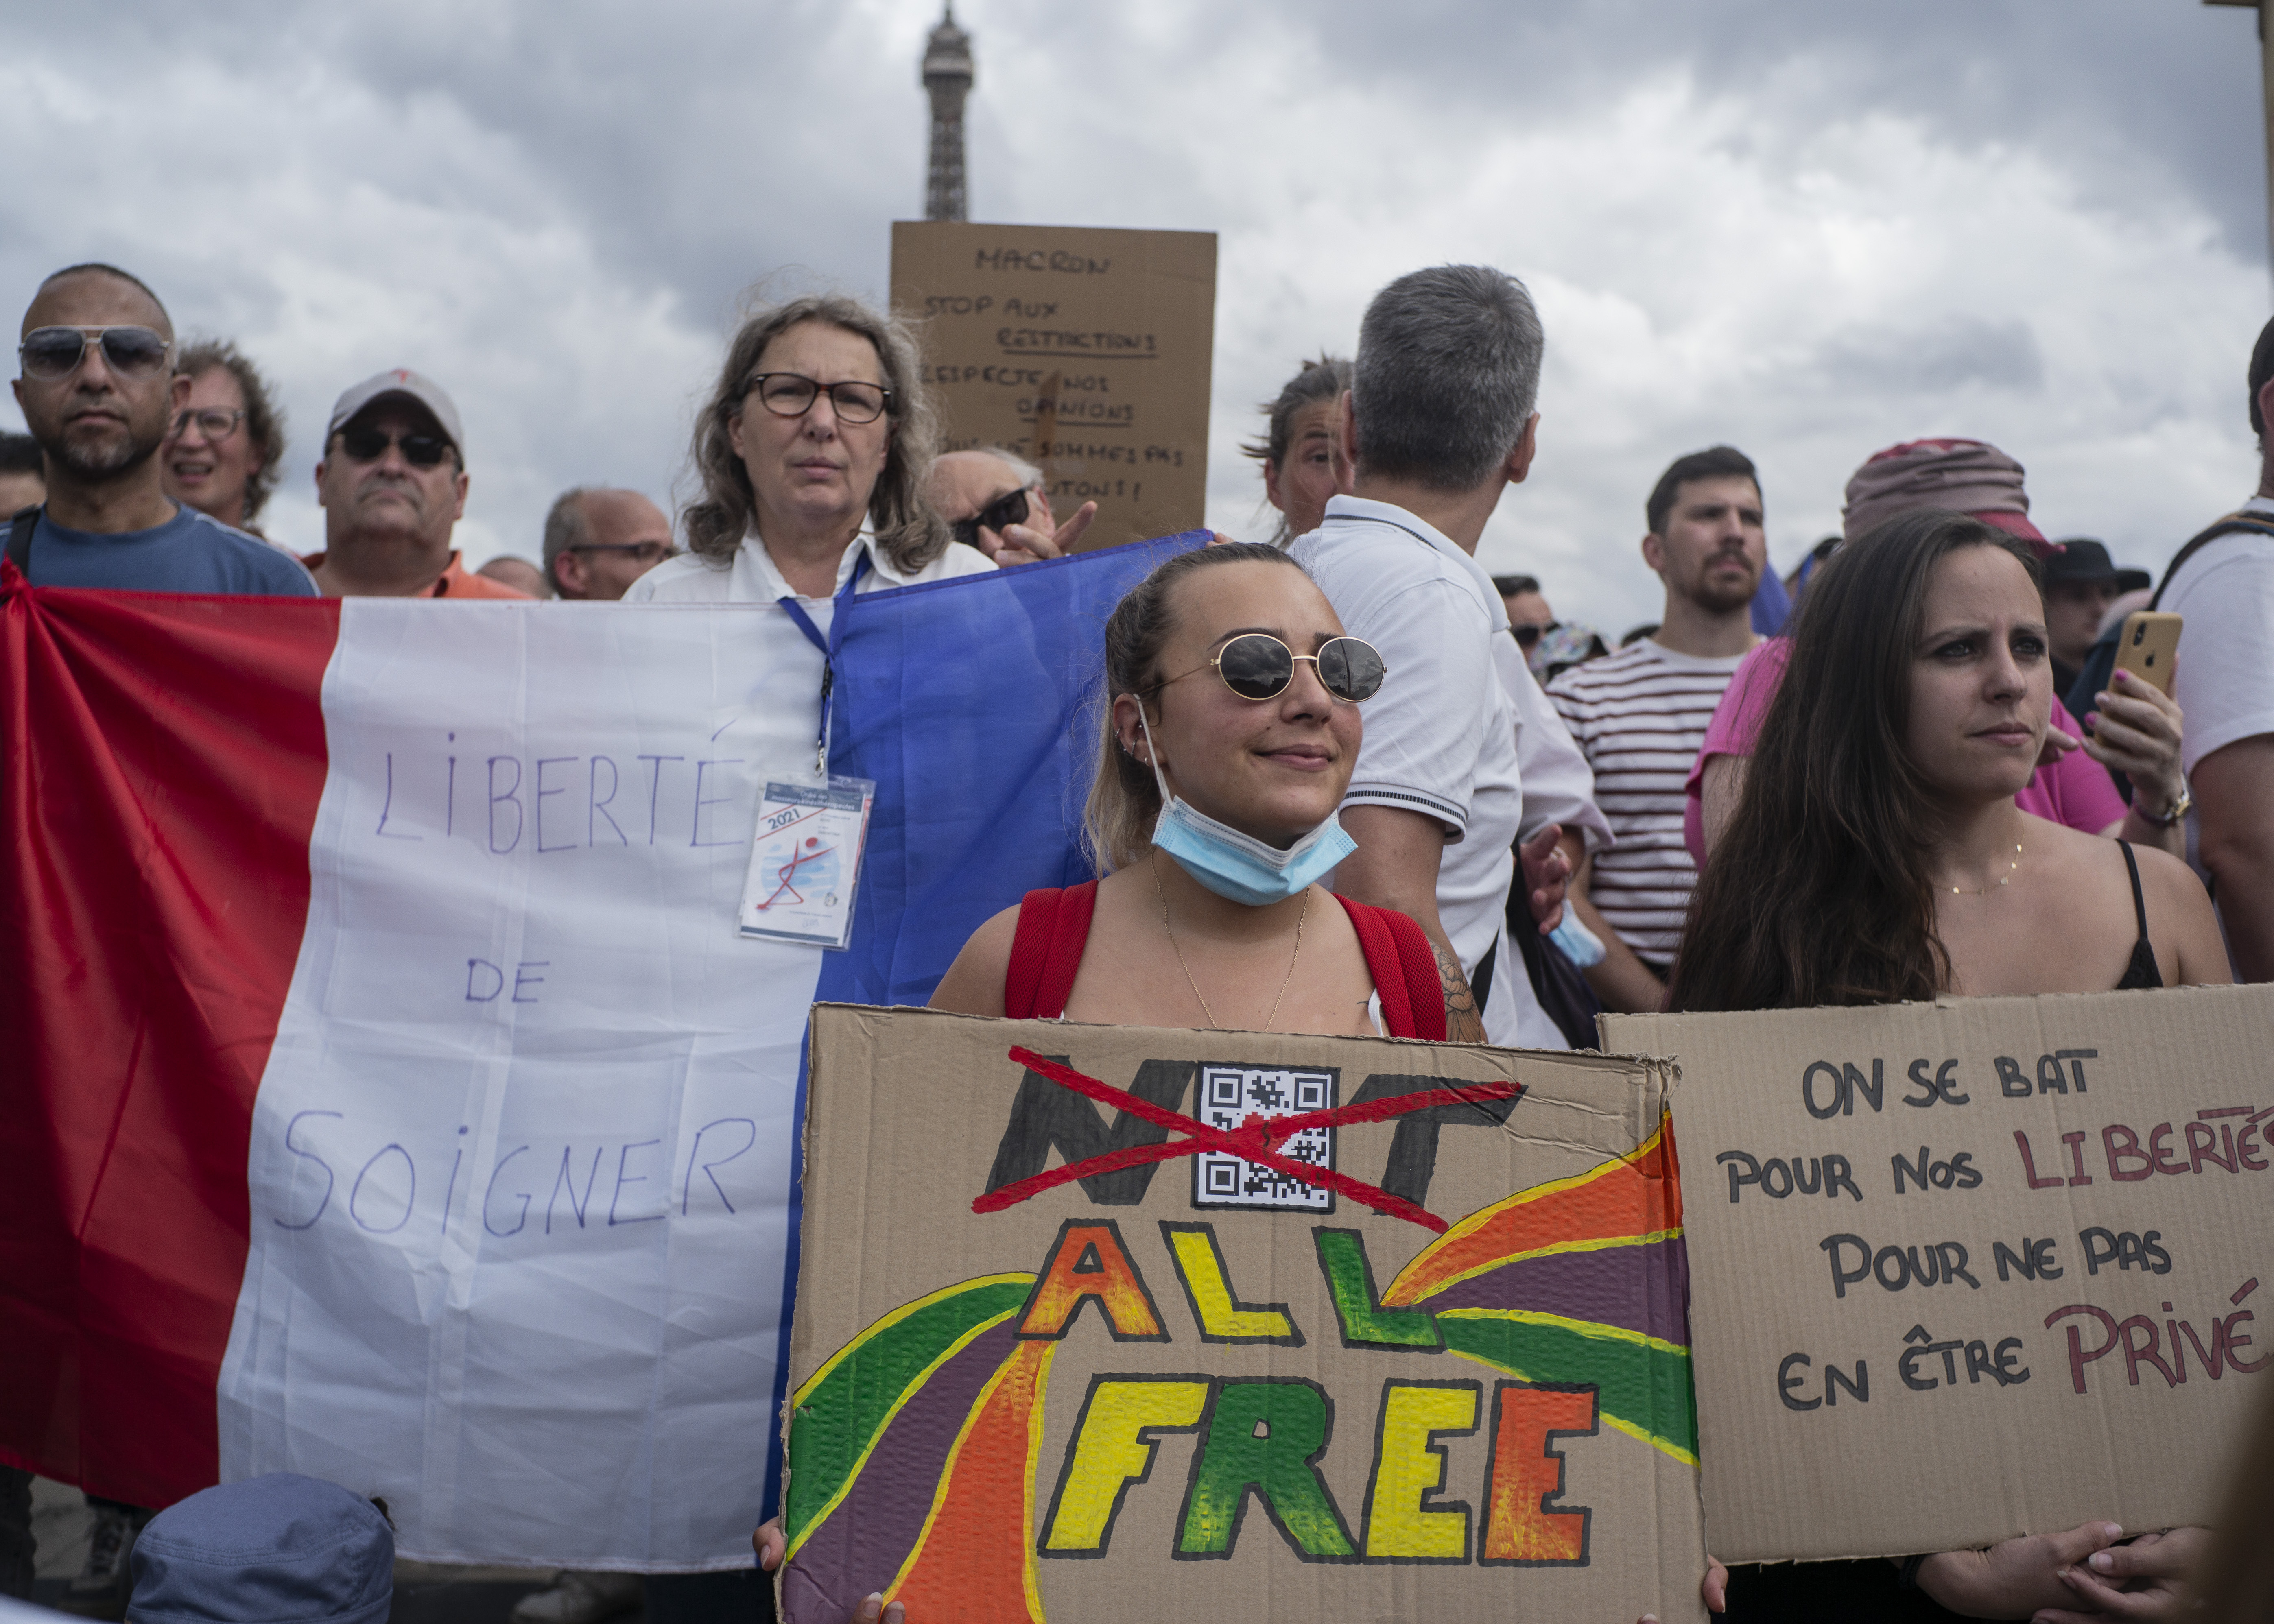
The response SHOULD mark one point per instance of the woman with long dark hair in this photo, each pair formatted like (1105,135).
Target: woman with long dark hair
(1876,856)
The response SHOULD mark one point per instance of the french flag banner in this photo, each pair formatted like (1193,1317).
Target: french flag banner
(390,1095)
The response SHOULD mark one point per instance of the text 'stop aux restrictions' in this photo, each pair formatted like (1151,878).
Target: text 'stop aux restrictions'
(1085,350)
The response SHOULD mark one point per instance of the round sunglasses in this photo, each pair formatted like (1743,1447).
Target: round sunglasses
(1257,666)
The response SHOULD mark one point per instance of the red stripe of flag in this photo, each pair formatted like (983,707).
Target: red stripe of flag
(162,757)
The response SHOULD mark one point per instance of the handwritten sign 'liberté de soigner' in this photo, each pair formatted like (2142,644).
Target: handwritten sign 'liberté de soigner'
(1084,351)
(1966,1270)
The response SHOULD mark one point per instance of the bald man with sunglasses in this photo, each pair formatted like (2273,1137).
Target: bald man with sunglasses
(98,392)
(393,488)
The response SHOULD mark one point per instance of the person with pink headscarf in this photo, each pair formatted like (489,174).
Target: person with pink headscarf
(2136,730)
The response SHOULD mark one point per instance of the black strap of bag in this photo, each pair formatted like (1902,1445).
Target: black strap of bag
(2233,522)
(19,539)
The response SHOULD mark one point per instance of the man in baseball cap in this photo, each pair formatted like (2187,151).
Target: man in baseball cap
(2080,582)
(393,487)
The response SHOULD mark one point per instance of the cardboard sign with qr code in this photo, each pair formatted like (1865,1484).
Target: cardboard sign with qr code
(1099,1322)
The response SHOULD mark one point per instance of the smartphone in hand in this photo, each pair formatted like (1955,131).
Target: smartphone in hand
(2147,645)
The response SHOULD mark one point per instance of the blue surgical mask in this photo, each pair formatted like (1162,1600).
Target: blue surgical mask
(1580,944)
(1234,866)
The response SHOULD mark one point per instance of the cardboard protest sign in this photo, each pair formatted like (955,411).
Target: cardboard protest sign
(1975,1269)
(1099,1322)
(1087,351)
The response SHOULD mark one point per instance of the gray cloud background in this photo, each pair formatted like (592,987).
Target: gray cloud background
(1807,231)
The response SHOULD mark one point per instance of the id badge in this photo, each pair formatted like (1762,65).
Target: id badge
(805,860)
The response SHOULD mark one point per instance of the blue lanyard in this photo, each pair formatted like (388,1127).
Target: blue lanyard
(829,647)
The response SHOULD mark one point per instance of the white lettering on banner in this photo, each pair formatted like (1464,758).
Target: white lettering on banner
(521,1157)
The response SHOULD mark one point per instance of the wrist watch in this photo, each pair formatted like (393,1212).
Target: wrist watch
(2180,807)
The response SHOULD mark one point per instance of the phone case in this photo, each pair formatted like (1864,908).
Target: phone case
(2147,645)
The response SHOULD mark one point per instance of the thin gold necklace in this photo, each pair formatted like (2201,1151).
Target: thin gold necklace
(1986,890)
(1214,1024)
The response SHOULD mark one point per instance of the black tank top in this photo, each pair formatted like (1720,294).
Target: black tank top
(2141,972)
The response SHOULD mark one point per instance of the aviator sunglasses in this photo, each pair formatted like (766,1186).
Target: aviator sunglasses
(50,353)
(1257,666)
(1011,507)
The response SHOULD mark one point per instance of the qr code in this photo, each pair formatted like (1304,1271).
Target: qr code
(1230,1094)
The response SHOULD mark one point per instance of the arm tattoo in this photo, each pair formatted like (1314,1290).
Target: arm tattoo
(1464,1022)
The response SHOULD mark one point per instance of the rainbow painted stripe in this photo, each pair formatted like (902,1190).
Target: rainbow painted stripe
(1579,1283)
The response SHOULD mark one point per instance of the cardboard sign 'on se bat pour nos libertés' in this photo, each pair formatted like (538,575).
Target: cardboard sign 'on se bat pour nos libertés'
(1084,350)
(1185,1380)
(1966,1270)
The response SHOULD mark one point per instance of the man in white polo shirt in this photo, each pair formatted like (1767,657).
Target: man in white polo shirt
(1439,421)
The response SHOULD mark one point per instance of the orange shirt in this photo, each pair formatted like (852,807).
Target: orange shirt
(455,581)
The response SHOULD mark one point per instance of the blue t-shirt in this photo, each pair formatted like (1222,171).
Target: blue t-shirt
(190,552)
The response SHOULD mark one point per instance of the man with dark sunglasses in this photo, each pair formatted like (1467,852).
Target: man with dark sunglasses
(393,488)
(1001,505)
(98,392)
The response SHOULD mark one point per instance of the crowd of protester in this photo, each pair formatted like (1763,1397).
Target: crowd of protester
(1350,782)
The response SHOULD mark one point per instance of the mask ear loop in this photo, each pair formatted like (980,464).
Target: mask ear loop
(1153,753)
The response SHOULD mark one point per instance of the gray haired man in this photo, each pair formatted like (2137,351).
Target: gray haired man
(1438,422)
(1000,503)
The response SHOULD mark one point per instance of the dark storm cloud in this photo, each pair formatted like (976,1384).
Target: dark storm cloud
(1810,230)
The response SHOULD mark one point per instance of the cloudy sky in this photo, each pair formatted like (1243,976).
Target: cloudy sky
(1809,230)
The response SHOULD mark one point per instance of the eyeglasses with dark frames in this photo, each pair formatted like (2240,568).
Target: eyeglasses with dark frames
(216,423)
(792,394)
(644,551)
(1011,507)
(47,354)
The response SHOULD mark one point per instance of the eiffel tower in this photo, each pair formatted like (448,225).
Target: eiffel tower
(948,77)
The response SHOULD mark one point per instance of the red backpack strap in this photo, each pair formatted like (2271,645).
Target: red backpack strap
(1046,951)
(1405,969)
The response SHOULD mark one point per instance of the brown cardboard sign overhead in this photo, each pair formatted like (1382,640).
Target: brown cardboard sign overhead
(1105,1323)
(1087,351)
(1975,1269)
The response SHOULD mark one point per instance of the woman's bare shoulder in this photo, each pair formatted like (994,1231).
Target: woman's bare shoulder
(2162,874)
(974,983)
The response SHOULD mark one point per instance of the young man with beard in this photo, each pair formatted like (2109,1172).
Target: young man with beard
(1639,715)
(99,392)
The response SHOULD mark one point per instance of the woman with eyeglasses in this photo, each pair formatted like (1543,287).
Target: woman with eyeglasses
(1233,726)
(226,447)
(812,450)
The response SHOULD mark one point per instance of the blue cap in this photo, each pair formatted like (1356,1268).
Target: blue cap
(281,1549)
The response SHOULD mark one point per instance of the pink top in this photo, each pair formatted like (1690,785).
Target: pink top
(2076,790)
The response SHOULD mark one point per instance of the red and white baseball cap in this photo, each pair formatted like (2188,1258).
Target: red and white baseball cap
(399,381)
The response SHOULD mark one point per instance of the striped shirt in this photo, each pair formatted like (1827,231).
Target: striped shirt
(1640,716)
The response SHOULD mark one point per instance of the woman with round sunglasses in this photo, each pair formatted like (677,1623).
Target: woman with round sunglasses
(1233,725)
(1232,730)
